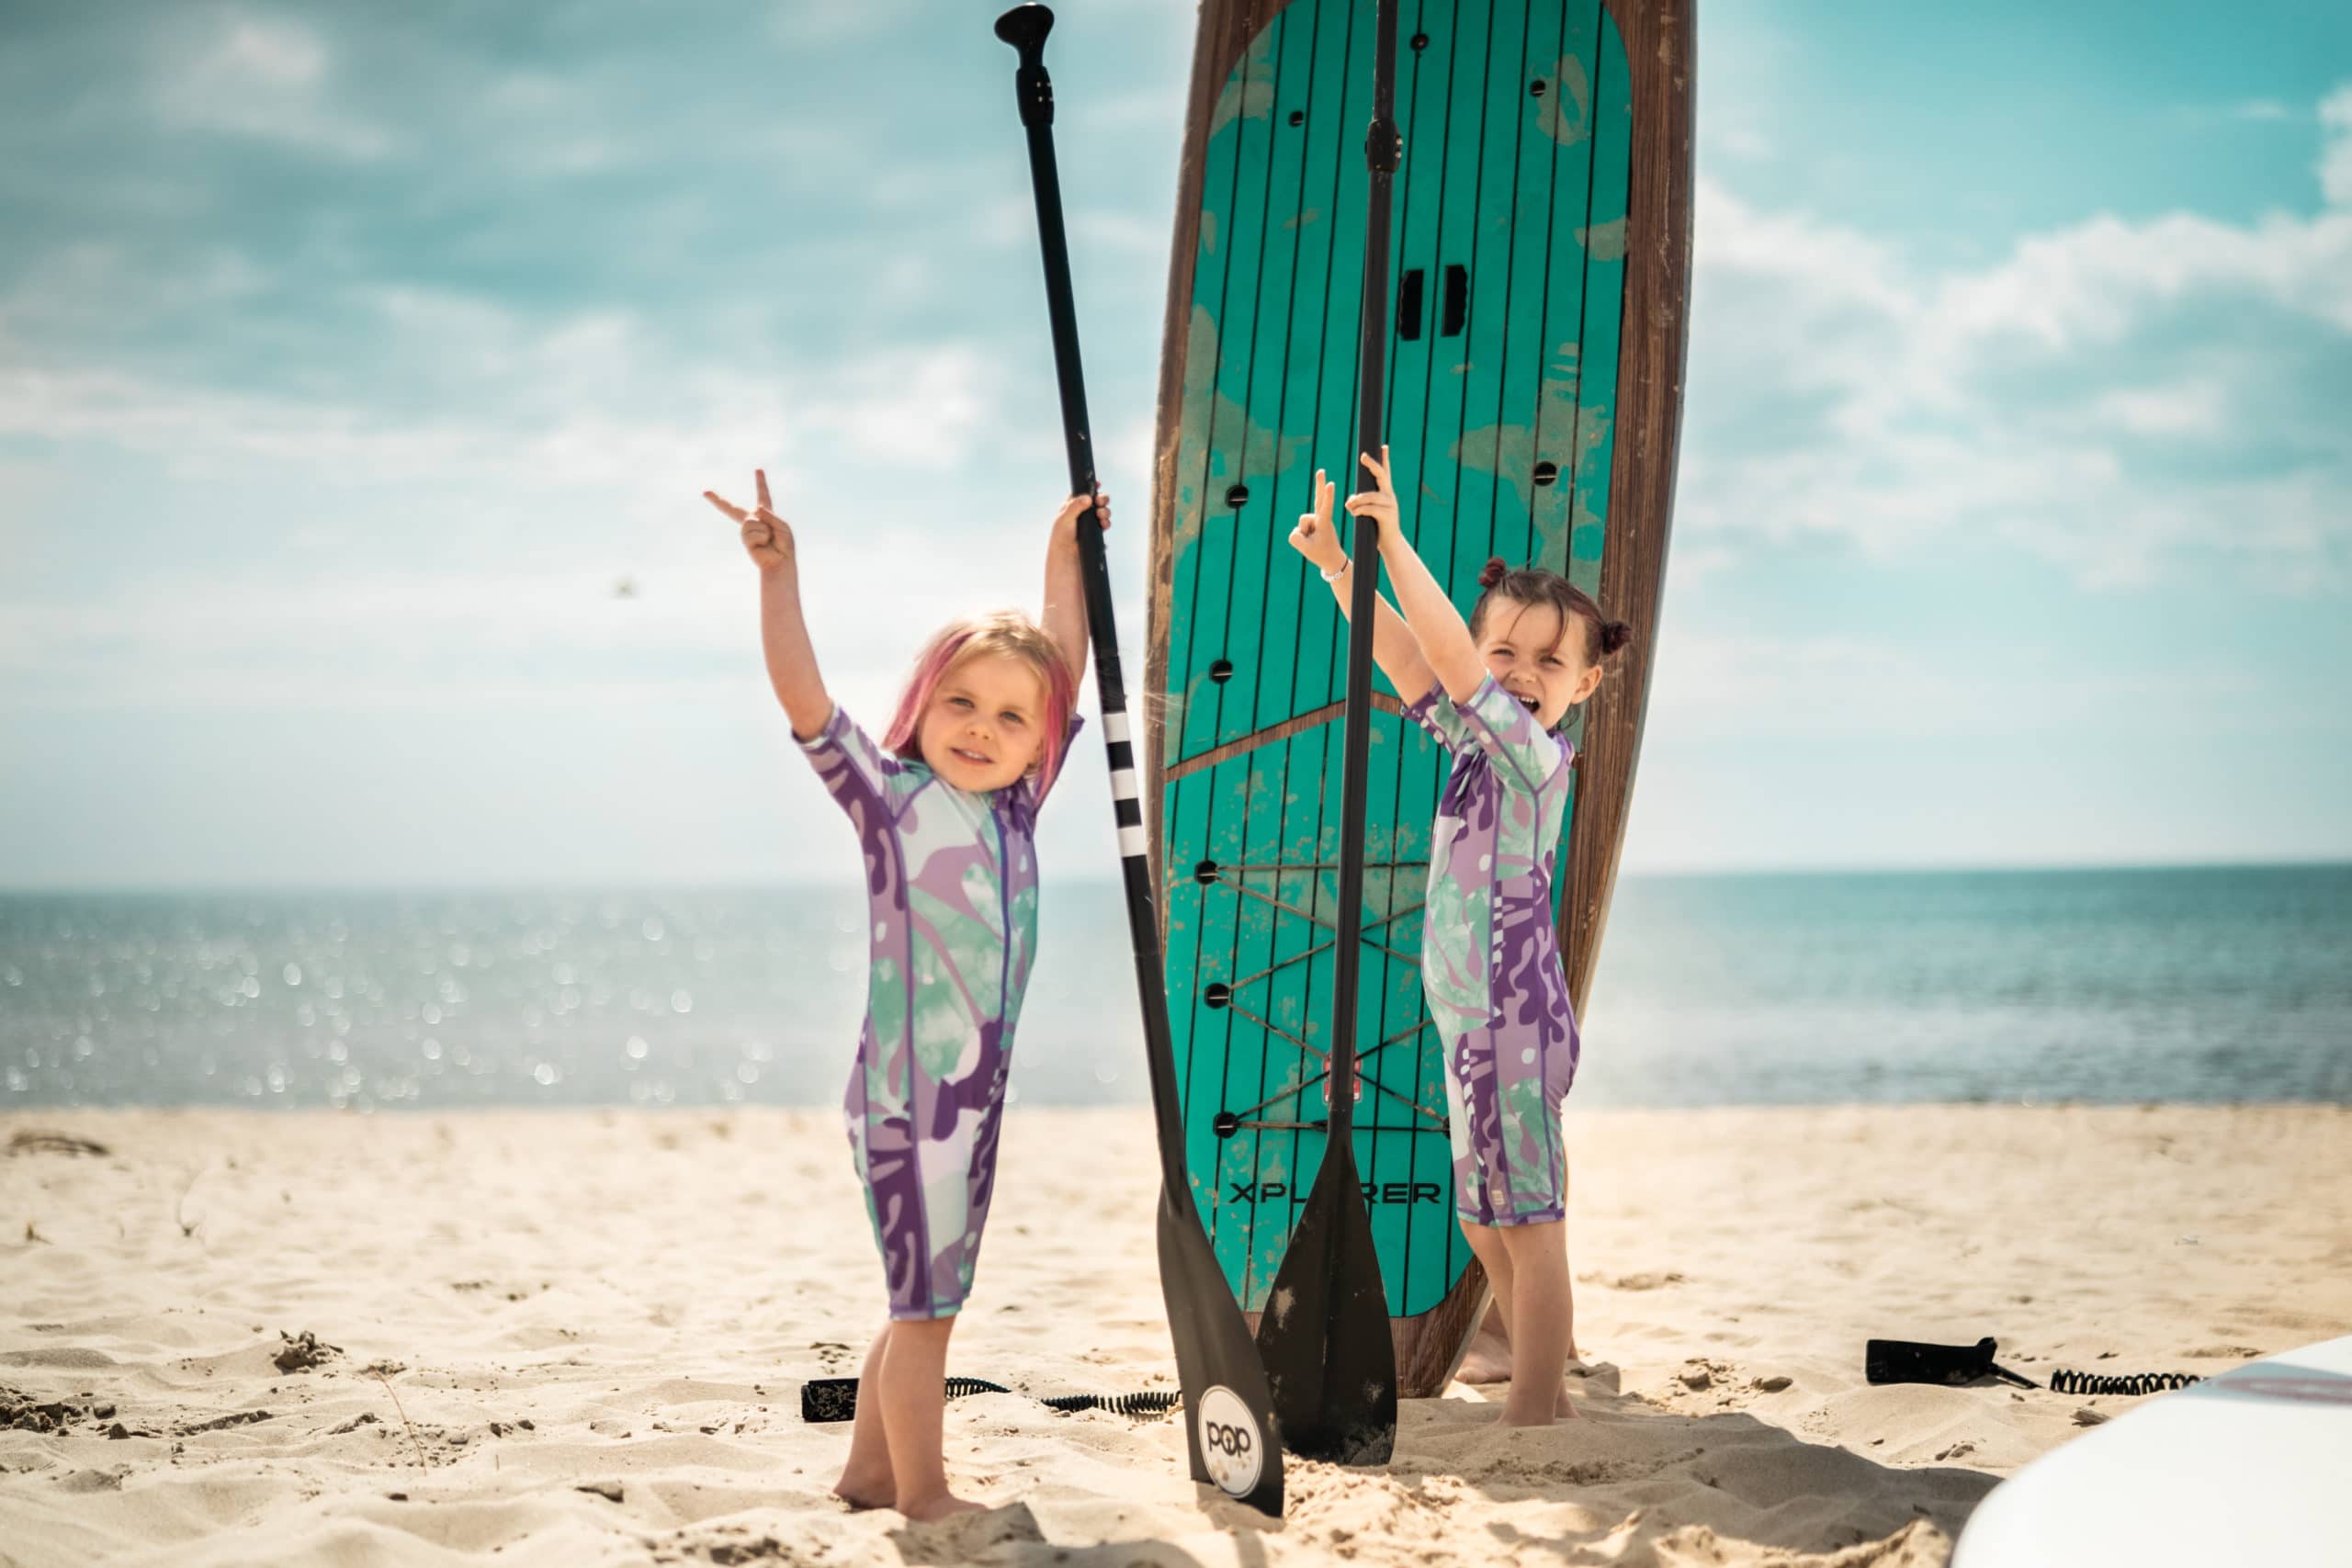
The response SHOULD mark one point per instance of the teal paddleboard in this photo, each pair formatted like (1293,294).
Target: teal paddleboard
(1540,265)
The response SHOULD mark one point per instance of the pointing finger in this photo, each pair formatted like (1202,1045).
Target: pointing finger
(760,476)
(729,507)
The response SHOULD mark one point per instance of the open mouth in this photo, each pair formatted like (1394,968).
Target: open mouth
(973,759)
(1532,705)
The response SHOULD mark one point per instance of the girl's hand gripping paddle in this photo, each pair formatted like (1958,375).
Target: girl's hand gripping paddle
(1229,1433)
(1325,1335)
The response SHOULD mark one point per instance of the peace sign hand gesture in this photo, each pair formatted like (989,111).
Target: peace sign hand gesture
(767,538)
(1313,538)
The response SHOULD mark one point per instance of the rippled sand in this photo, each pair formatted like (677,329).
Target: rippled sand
(587,1331)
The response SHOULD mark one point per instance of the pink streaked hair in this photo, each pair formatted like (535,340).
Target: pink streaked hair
(1006,632)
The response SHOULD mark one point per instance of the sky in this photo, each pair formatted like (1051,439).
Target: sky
(351,356)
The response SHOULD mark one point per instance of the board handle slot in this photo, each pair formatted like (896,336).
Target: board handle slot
(1457,300)
(1409,307)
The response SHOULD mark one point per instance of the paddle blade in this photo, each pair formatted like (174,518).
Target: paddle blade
(1229,1432)
(1329,1359)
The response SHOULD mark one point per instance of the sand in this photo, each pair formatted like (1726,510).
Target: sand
(577,1337)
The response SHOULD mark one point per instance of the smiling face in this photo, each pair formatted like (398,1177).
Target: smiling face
(1546,665)
(983,727)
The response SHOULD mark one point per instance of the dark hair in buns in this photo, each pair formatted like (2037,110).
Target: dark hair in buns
(1534,585)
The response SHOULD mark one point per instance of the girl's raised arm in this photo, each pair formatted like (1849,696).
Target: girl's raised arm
(1063,616)
(1393,648)
(783,631)
(1437,627)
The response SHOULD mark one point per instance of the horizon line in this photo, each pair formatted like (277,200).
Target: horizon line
(13,889)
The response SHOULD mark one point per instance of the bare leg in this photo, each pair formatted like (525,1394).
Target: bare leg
(1567,1282)
(914,1399)
(867,1480)
(1488,1357)
(1487,1246)
(1538,1321)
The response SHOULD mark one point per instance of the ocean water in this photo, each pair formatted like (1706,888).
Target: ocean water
(2211,985)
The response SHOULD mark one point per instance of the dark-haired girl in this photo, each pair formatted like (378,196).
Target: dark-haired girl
(1493,692)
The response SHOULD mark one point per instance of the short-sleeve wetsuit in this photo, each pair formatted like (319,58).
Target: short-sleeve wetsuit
(1490,966)
(950,881)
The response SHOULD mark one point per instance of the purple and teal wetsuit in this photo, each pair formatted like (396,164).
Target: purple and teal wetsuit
(1490,966)
(950,881)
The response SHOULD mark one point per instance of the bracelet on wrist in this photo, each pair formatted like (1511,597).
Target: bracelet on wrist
(1339,572)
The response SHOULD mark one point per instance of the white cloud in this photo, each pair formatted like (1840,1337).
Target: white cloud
(1839,390)
(2261,109)
(1129,108)
(2192,408)
(1127,234)
(476,544)
(818,23)
(1744,143)
(588,398)
(1719,687)
(267,78)
(96,289)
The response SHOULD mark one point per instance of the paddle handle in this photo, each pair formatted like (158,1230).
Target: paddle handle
(1381,148)
(1025,28)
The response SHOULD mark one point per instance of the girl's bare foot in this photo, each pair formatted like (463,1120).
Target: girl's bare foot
(864,1491)
(945,1505)
(1488,1357)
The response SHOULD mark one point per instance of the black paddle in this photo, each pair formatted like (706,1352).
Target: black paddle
(1325,1333)
(1229,1429)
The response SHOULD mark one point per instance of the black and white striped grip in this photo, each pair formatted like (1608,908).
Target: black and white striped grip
(1126,795)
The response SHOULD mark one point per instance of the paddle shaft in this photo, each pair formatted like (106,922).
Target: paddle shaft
(1380,153)
(1036,91)
(1230,1440)
(1326,1335)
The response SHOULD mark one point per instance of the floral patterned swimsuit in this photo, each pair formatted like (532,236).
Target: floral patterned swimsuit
(951,880)
(1490,966)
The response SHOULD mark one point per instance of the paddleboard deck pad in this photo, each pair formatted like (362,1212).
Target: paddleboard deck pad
(1540,267)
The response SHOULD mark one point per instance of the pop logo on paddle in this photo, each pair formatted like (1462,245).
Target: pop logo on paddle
(1231,1444)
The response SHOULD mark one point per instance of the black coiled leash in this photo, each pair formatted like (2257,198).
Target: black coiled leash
(1906,1361)
(835,1399)
(2066,1380)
